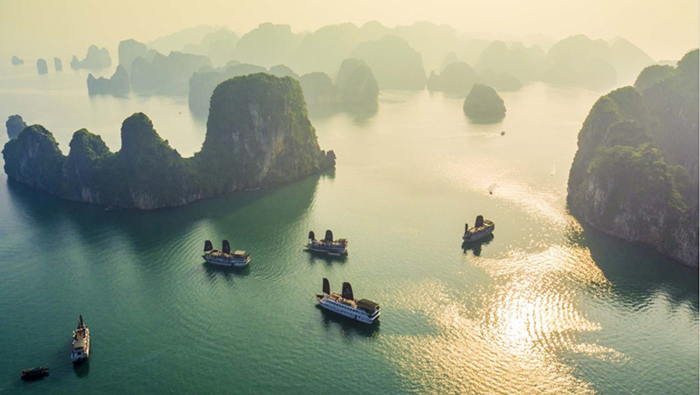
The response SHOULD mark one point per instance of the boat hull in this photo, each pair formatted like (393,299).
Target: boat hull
(331,252)
(226,262)
(354,314)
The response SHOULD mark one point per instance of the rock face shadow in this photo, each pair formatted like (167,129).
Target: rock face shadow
(637,272)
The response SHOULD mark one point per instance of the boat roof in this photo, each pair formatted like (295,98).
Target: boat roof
(367,304)
(239,252)
(79,343)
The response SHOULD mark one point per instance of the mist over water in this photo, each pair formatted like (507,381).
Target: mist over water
(32,29)
(545,306)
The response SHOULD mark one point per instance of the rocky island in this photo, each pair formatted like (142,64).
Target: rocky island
(395,64)
(635,174)
(319,90)
(41,66)
(457,78)
(14,125)
(258,135)
(358,88)
(483,105)
(117,85)
(155,73)
(96,59)
(128,51)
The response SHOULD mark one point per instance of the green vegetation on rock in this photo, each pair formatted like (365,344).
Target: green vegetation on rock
(34,158)
(483,105)
(258,135)
(203,82)
(653,74)
(635,172)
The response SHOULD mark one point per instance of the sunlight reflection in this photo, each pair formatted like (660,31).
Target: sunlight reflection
(513,339)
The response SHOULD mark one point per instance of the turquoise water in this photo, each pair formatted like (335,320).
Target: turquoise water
(546,306)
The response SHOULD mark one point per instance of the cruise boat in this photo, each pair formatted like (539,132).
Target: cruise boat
(327,245)
(362,310)
(225,257)
(481,229)
(80,349)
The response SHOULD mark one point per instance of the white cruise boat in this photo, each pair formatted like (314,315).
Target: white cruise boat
(80,349)
(327,245)
(225,257)
(362,310)
(482,228)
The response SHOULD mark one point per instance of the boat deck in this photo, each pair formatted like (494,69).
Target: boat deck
(338,298)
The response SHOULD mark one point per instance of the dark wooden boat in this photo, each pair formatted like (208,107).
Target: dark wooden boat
(34,373)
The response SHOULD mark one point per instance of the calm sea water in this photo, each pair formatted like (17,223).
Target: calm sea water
(546,306)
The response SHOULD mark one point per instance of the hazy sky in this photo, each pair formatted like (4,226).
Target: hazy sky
(664,28)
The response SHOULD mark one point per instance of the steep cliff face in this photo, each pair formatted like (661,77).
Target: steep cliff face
(621,181)
(33,158)
(258,135)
